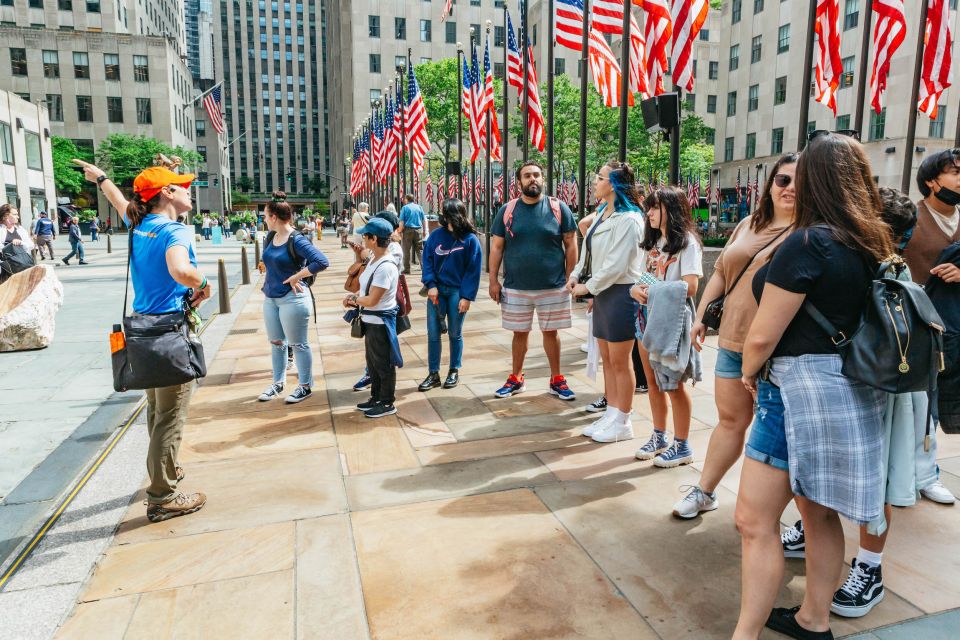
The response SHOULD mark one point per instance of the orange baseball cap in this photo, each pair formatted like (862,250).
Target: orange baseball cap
(150,181)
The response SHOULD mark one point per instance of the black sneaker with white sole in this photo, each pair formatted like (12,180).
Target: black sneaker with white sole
(367,405)
(862,591)
(273,391)
(299,394)
(794,542)
(597,407)
(380,410)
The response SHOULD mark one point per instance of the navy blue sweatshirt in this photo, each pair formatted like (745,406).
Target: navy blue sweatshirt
(450,262)
(280,266)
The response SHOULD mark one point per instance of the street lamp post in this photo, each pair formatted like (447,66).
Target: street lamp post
(459,116)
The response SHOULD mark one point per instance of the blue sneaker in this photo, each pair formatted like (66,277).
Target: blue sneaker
(656,444)
(512,386)
(677,454)
(559,388)
(363,382)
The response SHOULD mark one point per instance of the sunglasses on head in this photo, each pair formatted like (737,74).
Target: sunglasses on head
(782,180)
(850,133)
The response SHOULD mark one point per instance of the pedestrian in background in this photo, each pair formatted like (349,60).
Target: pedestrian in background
(76,242)
(44,233)
(95,229)
(205,225)
(412,226)
(360,216)
(11,232)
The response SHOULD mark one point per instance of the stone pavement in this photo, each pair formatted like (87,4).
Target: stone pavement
(463,516)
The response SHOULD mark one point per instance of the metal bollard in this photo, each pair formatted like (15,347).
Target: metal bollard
(109,243)
(244,267)
(33,255)
(256,251)
(223,288)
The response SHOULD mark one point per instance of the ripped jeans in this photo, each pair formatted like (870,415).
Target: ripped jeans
(288,321)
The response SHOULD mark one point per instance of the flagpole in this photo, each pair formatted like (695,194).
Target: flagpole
(488,175)
(506,119)
(864,55)
(525,45)
(460,110)
(412,167)
(624,78)
(584,72)
(202,95)
(912,107)
(805,87)
(550,55)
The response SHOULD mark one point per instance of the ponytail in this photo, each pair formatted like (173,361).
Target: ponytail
(138,209)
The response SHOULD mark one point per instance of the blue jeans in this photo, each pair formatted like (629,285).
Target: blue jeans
(288,320)
(77,251)
(448,302)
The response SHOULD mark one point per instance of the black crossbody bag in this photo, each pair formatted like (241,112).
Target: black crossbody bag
(158,350)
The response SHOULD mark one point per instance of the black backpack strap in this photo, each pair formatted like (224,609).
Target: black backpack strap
(836,336)
(292,250)
(126,286)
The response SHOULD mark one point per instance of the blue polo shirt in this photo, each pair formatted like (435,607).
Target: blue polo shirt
(154,290)
(411,215)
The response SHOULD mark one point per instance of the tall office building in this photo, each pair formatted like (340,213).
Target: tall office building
(273,64)
(198,25)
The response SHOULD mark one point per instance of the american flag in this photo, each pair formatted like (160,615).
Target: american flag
(447,9)
(608,16)
(514,190)
(466,100)
(534,113)
(428,190)
(638,62)
(569,24)
(465,188)
(756,188)
(739,192)
(691,198)
(829,65)
(476,117)
(514,63)
(211,102)
(498,189)
(489,106)
(365,155)
(417,138)
(356,184)
(890,27)
(709,194)
(688,17)
(398,109)
(478,188)
(657,34)
(605,69)
(935,75)
(452,190)
(390,141)
(378,148)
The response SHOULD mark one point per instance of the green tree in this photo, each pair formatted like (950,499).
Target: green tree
(123,156)
(66,175)
(245,183)
(238,198)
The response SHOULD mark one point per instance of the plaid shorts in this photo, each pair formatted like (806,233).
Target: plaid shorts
(552,306)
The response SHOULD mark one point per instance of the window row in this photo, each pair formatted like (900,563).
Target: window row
(31,143)
(400,29)
(92,6)
(54,102)
(81,65)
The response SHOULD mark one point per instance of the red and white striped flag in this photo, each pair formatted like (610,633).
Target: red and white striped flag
(829,65)
(658,31)
(535,120)
(607,16)
(476,116)
(638,62)
(212,103)
(428,190)
(489,106)
(605,70)
(514,63)
(514,189)
(390,140)
(569,24)
(889,30)
(478,189)
(935,75)
(498,189)
(417,139)
(452,191)
(447,8)
(688,17)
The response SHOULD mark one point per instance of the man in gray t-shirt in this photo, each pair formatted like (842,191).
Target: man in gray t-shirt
(534,238)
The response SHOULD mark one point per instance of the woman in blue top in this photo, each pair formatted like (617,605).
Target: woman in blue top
(164,271)
(286,308)
(451,273)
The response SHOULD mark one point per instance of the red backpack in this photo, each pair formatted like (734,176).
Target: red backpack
(512,204)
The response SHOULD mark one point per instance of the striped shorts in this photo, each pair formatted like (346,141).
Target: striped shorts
(552,305)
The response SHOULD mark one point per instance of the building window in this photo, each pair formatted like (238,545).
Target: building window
(711,104)
(734,57)
(6,143)
(51,64)
(877,123)
(846,78)
(450,32)
(400,28)
(711,137)
(851,14)
(65,5)
(757,6)
(36,4)
(55,107)
(937,124)
(728,150)
(705,35)
(373,26)
(84,108)
(498,36)
(141,70)
(780,90)
(18,62)
(34,158)
(751,150)
(498,70)
(753,97)
(843,122)
(713,71)
(81,64)
(93,6)
(111,66)
(374,63)
(201,128)
(732,103)
(736,7)
(114,110)
(426,31)
(144,114)
(776,141)
(691,102)
(202,150)
(755,49)
(559,66)
(783,38)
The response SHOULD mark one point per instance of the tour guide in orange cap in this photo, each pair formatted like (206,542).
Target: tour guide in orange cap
(163,267)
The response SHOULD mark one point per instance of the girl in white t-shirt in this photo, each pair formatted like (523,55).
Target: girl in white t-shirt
(672,252)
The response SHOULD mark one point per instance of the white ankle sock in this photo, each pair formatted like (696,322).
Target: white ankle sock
(869,558)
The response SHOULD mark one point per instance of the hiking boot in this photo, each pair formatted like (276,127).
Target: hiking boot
(862,591)
(559,388)
(299,394)
(453,379)
(599,406)
(785,621)
(180,505)
(273,391)
(793,541)
(512,386)
(696,502)
(380,410)
(678,453)
(656,444)
(432,381)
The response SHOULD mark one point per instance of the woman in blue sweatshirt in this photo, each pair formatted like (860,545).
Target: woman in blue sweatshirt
(451,273)
(286,308)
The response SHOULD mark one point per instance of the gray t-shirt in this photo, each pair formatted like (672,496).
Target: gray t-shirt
(533,253)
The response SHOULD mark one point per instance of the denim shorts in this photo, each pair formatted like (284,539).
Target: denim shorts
(729,364)
(768,439)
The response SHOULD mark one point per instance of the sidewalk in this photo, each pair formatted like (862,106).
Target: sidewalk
(463,516)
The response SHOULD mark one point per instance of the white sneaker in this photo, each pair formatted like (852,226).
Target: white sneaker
(938,493)
(616,430)
(597,425)
(585,348)
(273,391)
(695,502)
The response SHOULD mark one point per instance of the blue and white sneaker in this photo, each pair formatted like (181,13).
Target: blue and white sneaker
(511,386)
(678,453)
(559,388)
(363,382)
(656,444)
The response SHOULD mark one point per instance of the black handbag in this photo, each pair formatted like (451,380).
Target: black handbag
(157,350)
(14,259)
(713,312)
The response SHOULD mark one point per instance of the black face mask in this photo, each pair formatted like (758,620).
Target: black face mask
(947,196)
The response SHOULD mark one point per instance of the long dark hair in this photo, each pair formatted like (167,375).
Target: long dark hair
(454,213)
(138,208)
(676,218)
(835,187)
(624,186)
(762,216)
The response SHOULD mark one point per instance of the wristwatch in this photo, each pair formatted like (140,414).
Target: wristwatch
(100,179)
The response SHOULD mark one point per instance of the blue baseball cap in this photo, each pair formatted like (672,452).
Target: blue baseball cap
(377,227)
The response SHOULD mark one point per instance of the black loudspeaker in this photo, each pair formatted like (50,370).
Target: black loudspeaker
(650,118)
(453,168)
(668,109)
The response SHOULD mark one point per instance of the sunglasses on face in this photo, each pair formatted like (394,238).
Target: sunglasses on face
(782,180)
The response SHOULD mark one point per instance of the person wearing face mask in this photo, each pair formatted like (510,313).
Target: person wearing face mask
(938,219)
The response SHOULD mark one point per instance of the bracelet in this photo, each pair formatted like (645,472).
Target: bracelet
(203,283)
